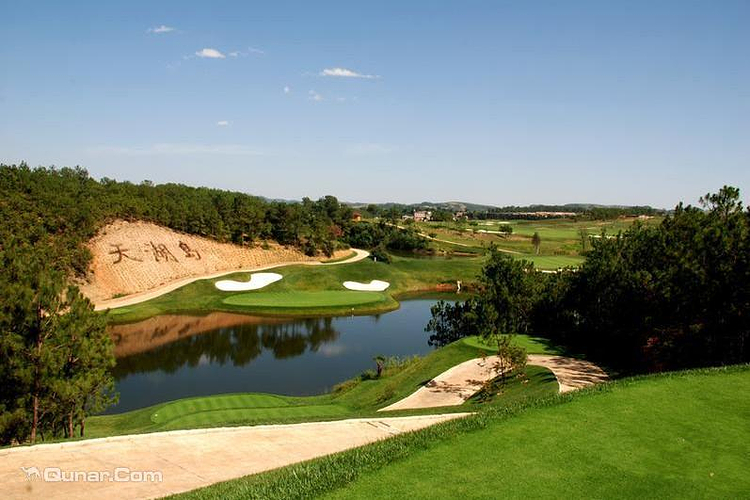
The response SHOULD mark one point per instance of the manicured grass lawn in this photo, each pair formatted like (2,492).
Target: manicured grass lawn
(292,295)
(323,298)
(533,345)
(191,406)
(354,398)
(679,435)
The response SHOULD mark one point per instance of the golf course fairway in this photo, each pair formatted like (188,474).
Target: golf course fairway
(303,299)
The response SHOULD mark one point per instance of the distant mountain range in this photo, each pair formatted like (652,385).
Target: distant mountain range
(465,206)
(462,206)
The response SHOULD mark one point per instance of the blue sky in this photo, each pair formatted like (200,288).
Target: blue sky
(637,102)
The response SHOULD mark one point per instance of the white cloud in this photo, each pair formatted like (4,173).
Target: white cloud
(223,123)
(345,73)
(314,95)
(287,89)
(167,148)
(250,50)
(210,54)
(161,29)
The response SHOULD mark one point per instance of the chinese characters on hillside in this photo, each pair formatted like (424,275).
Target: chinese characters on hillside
(159,251)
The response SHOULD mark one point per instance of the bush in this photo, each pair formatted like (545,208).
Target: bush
(380,254)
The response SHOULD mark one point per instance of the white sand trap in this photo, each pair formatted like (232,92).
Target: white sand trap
(257,281)
(373,286)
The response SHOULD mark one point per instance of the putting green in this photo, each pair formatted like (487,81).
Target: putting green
(330,298)
(184,407)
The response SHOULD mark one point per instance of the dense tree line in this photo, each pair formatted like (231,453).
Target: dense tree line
(654,298)
(541,212)
(63,208)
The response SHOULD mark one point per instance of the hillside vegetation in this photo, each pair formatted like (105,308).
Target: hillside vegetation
(59,210)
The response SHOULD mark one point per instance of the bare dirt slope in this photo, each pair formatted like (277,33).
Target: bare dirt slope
(136,257)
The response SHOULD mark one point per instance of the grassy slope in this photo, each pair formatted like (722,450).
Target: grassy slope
(679,435)
(665,437)
(404,274)
(361,398)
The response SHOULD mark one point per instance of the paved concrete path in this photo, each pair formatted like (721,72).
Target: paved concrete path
(137,298)
(455,385)
(189,459)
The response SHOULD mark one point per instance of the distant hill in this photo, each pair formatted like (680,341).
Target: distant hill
(464,206)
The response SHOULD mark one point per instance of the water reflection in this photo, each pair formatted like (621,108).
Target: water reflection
(175,356)
(192,343)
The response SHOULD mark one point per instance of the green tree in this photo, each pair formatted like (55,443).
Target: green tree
(584,236)
(509,290)
(53,345)
(536,240)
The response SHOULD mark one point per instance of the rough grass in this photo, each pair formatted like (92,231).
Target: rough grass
(675,435)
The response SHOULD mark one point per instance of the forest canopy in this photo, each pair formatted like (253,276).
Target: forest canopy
(62,208)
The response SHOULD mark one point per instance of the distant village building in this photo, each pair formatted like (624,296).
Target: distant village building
(356,216)
(459,215)
(422,215)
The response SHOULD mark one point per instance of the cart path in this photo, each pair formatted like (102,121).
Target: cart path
(137,298)
(190,459)
(457,384)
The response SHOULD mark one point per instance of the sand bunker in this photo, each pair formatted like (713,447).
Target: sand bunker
(257,281)
(373,286)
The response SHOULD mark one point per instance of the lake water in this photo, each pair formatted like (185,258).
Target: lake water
(176,356)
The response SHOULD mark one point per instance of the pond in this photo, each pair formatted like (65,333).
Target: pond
(177,356)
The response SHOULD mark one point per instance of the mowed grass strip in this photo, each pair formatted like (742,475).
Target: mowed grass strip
(184,407)
(247,416)
(302,299)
